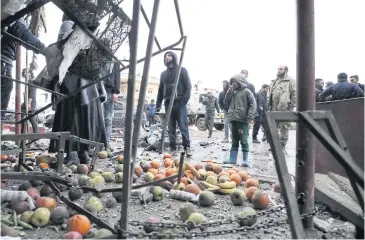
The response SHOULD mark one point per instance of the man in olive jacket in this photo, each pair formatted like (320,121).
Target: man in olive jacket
(282,97)
(241,105)
(211,104)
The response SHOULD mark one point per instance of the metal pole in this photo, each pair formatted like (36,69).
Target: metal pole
(18,75)
(133,41)
(305,165)
(144,83)
(172,98)
(177,8)
(150,26)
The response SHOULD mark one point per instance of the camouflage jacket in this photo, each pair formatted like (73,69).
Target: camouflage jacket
(283,94)
(211,104)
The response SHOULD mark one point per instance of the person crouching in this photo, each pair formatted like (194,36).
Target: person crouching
(241,105)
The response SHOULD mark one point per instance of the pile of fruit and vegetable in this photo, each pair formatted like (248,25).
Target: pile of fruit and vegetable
(206,196)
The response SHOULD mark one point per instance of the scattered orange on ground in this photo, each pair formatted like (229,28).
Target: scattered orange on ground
(155,164)
(252,182)
(189,174)
(236,178)
(231,171)
(192,188)
(243,175)
(154,171)
(158,177)
(79,223)
(168,162)
(169,172)
(217,168)
(166,155)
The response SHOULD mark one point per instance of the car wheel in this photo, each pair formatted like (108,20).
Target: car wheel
(200,124)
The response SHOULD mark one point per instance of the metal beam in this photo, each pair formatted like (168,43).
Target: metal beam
(150,26)
(177,9)
(305,161)
(144,84)
(133,41)
(290,199)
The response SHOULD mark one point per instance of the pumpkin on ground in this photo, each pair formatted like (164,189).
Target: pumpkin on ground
(79,223)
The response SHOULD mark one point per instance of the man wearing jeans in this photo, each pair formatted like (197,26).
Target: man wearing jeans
(179,113)
(112,88)
(225,111)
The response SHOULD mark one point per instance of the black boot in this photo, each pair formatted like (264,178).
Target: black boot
(254,139)
(84,157)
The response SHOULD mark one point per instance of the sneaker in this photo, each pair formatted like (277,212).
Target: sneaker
(188,152)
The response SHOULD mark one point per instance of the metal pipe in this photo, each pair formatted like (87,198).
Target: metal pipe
(67,11)
(32,85)
(133,42)
(18,75)
(172,98)
(177,8)
(305,162)
(144,84)
(28,9)
(150,26)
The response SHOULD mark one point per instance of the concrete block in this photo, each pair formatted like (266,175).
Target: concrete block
(322,225)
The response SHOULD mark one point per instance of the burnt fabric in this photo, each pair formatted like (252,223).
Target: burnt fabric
(84,121)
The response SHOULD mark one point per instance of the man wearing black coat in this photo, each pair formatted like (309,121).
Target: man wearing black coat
(261,100)
(179,113)
(355,80)
(342,90)
(8,54)
(249,85)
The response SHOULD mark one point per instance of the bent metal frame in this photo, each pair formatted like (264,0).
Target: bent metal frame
(305,76)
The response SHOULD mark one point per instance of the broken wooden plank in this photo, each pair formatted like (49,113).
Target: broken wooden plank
(329,193)
(344,184)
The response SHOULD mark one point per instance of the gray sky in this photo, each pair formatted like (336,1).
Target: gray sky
(258,35)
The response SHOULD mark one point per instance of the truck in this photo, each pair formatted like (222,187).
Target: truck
(196,110)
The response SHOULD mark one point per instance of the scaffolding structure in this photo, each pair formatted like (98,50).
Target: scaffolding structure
(302,202)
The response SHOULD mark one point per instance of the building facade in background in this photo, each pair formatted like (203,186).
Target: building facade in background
(152,88)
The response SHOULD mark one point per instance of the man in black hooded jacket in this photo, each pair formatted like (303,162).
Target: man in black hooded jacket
(179,113)
(225,110)
(8,54)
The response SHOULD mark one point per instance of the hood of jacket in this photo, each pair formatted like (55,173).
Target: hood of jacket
(174,59)
(241,79)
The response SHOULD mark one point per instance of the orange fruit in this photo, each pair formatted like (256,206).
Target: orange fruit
(252,182)
(217,168)
(243,175)
(210,173)
(158,177)
(168,162)
(4,158)
(138,171)
(209,166)
(154,171)
(260,199)
(166,155)
(192,188)
(231,171)
(224,173)
(184,180)
(155,164)
(169,172)
(198,166)
(236,178)
(250,191)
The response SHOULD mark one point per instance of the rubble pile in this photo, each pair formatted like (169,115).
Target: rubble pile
(151,138)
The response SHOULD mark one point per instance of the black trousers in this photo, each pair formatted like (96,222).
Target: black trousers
(259,121)
(6,86)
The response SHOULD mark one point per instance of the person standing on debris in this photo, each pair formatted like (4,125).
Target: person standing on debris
(355,80)
(112,88)
(151,112)
(211,104)
(9,47)
(249,85)
(179,113)
(241,105)
(225,110)
(261,100)
(318,88)
(342,90)
(81,114)
(282,97)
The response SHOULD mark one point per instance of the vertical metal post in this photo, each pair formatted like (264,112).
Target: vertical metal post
(18,75)
(172,98)
(133,43)
(144,83)
(177,9)
(305,164)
